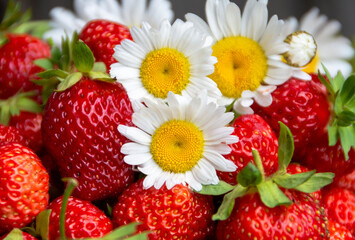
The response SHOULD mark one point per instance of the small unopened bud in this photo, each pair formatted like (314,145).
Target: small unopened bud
(302,49)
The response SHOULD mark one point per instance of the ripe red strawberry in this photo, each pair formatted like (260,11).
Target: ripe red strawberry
(12,134)
(29,125)
(102,36)
(82,220)
(23,186)
(346,181)
(176,213)
(251,219)
(253,133)
(302,106)
(18,234)
(339,232)
(80,131)
(16,63)
(339,204)
(325,158)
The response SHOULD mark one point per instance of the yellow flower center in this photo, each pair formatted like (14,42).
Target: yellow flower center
(242,65)
(165,70)
(177,146)
(312,67)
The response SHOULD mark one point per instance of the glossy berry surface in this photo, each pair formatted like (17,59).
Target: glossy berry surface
(12,134)
(83,220)
(177,213)
(102,36)
(80,131)
(23,187)
(253,133)
(16,63)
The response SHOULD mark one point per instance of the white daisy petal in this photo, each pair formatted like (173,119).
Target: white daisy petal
(134,148)
(134,134)
(239,108)
(219,162)
(137,159)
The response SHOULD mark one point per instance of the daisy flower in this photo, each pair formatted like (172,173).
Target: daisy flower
(248,49)
(171,58)
(333,49)
(180,142)
(129,13)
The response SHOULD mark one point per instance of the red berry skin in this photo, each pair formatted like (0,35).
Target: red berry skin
(11,134)
(251,219)
(339,232)
(325,158)
(79,130)
(82,220)
(253,132)
(23,187)
(178,213)
(102,36)
(339,204)
(302,106)
(29,125)
(25,236)
(346,181)
(16,63)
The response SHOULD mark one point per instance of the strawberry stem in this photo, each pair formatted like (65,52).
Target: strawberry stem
(258,163)
(72,183)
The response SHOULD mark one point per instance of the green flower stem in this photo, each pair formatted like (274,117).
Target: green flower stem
(72,183)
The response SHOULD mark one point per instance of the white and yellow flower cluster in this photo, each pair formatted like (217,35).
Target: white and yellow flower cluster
(182,75)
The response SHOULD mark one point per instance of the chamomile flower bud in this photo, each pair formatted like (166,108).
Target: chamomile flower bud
(302,49)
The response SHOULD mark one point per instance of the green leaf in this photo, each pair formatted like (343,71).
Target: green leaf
(215,190)
(69,81)
(99,67)
(249,176)
(337,81)
(346,118)
(35,28)
(286,147)
(316,182)
(226,207)
(83,57)
(141,236)
(53,73)
(346,139)
(271,195)
(28,105)
(348,89)
(291,181)
(101,76)
(15,234)
(325,82)
(333,133)
(42,223)
(44,63)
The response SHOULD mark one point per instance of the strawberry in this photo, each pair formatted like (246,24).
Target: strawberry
(82,220)
(102,36)
(253,133)
(24,186)
(339,204)
(79,127)
(251,219)
(301,105)
(346,181)
(339,232)
(29,125)
(280,206)
(177,213)
(18,71)
(325,158)
(12,134)
(18,234)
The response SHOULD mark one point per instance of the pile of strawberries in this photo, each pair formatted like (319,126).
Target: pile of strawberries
(59,116)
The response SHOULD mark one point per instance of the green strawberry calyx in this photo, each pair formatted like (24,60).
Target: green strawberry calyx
(252,179)
(342,96)
(21,101)
(67,66)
